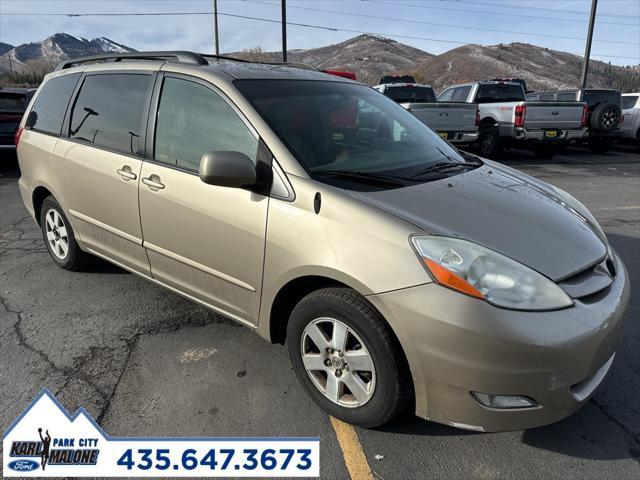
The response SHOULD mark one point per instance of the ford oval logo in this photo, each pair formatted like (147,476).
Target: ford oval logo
(555,112)
(444,114)
(23,465)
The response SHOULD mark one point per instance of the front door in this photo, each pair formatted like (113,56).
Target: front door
(98,165)
(203,240)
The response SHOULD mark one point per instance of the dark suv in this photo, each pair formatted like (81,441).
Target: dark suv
(604,113)
(13,103)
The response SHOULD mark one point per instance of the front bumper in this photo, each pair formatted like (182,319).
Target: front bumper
(456,344)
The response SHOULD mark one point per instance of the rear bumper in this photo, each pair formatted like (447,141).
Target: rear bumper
(557,136)
(456,345)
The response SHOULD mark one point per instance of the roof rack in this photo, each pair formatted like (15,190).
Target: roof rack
(178,56)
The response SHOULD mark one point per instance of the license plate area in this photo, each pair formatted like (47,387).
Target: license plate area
(444,135)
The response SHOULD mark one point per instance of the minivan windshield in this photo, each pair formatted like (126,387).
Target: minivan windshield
(342,131)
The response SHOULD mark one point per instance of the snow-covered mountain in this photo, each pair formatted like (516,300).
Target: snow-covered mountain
(54,49)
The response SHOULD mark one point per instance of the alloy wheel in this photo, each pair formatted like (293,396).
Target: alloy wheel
(57,235)
(338,362)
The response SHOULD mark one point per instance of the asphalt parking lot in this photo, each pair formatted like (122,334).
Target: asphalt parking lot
(146,362)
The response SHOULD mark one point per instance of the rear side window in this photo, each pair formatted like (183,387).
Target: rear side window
(51,103)
(566,97)
(629,102)
(411,94)
(193,120)
(12,102)
(108,111)
(493,93)
(460,94)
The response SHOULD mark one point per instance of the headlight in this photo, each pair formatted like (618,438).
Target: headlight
(483,273)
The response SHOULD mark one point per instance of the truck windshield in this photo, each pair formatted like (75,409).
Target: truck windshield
(336,126)
(410,93)
(500,92)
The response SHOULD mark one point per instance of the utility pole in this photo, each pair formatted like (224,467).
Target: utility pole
(284,30)
(587,50)
(215,26)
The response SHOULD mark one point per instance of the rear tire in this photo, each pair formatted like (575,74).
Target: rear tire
(605,117)
(489,143)
(60,238)
(363,380)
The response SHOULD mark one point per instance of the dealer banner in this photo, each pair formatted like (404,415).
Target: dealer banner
(45,441)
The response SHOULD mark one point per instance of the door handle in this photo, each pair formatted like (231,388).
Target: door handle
(126,173)
(153,182)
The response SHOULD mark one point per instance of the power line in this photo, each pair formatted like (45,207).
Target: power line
(269,20)
(504,14)
(449,25)
(550,10)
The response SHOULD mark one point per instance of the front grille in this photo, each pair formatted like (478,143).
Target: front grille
(589,282)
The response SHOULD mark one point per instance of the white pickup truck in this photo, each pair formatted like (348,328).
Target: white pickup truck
(455,122)
(506,120)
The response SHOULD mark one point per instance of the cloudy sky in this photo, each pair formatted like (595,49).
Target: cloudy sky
(432,25)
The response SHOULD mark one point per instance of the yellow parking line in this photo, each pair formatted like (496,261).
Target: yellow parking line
(352,452)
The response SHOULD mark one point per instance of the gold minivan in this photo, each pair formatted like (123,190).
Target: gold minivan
(397,269)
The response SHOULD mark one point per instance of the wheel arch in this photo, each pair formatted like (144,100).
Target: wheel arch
(37,197)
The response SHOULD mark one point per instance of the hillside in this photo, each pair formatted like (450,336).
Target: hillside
(48,52)
(543,69)
(370,57)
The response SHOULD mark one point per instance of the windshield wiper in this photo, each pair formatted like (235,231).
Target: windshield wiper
(453,164)
(363,176)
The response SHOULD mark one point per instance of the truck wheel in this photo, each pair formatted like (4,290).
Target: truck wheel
(59,237)
(545,151)
(599,145)
(347,358)
(489,143)
(605,117)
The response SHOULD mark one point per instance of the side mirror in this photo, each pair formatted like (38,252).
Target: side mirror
(227,169)
(32,119)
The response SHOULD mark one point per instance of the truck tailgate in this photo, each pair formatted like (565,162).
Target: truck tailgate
(446,117)
(553,115)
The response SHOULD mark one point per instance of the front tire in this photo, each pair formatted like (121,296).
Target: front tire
(347,358)
(60,238)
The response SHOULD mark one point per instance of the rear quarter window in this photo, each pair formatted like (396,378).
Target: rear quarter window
(629,102)
(51,103)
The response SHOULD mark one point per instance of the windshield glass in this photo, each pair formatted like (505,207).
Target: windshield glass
(336,126)
(410,93)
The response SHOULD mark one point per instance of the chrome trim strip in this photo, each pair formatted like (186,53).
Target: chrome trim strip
(103,226)
(199,266)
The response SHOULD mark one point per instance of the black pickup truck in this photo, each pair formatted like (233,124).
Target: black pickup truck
(13,103)
(604,114)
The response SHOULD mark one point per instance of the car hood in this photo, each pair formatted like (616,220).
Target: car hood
(503,210)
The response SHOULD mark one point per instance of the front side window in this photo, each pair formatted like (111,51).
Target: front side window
(500,92)
(51,103)
(337,128)
(193,120)
(108,111)
(460,94)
